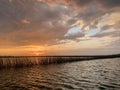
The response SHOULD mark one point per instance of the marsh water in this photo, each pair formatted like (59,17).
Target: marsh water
(101,74)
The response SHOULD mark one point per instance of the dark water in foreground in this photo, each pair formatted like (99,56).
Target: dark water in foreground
(103,74)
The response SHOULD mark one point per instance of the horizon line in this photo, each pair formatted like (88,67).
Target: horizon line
(57,55)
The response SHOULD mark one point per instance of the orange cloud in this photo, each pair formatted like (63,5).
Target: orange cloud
(25,21)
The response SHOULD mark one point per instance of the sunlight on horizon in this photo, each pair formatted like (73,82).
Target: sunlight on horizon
(59,27)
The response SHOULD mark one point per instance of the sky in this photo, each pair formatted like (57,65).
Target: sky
(59,27)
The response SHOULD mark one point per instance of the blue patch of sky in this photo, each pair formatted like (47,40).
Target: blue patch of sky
(73,31)
(92,32)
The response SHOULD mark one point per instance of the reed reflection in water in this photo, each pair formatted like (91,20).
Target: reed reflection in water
(103,74)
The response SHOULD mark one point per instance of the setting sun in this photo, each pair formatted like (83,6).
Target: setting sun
(38,53)
(36,50)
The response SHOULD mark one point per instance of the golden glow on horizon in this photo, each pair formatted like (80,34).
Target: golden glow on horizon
(37,53)
(35,50)
(48,27)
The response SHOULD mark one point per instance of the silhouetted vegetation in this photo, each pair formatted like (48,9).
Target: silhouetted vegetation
(21,61)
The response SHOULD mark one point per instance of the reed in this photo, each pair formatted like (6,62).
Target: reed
(21,61)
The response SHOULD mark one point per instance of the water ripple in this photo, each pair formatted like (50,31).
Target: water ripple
(86,75)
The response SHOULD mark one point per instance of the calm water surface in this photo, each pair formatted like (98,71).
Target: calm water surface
(101,74)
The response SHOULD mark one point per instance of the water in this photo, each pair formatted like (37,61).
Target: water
(102,74)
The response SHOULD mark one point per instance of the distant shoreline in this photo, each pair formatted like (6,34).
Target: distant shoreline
(112,56)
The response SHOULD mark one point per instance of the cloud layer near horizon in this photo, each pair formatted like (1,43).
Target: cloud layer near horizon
(47,22)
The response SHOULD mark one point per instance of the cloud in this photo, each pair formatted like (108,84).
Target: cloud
(25,21)
(83,3)
(75,36)
(107,34)
(33,23)
(115,44)
(106,27)
(12,12)
(40,22)
(117,26)
(109,4)
(90,16)
(74,3)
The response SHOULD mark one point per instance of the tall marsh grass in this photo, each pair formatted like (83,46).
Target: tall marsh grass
(20,61)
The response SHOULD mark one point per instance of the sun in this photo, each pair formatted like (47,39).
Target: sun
(39,53)
(36,50)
